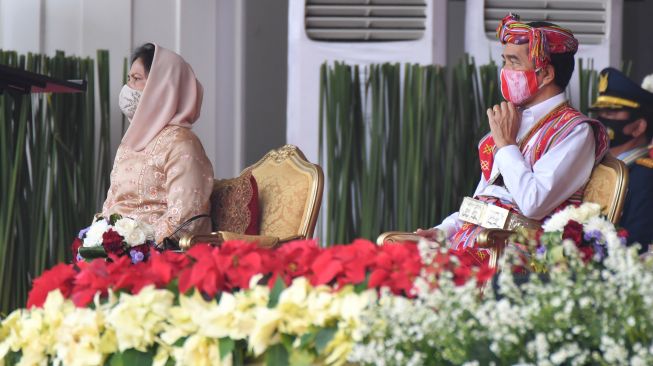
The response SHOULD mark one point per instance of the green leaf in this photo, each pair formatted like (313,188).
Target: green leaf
(287,340)
(92,252)
(306,338)
(279,286)
(301,358)
(277,355)
(180,342)
(132,357)
(226,346)
(114,218)
(323,337)
(13,358)
(360,287)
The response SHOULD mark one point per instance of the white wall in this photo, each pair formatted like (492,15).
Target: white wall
(205,32)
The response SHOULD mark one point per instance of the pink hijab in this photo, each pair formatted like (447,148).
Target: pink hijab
(172,96)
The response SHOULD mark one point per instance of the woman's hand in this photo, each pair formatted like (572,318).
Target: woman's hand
(504,124)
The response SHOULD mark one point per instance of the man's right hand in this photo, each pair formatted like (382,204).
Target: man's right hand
(431,234)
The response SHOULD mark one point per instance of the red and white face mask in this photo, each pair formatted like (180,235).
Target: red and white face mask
(518,86)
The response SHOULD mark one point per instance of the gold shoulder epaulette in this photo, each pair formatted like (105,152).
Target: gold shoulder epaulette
(647,162)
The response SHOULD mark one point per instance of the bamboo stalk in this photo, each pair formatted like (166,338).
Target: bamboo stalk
(48,184)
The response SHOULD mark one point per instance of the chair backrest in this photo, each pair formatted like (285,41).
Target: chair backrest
(607,187)
(290,192)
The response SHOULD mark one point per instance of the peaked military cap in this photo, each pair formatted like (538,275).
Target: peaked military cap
(616,91)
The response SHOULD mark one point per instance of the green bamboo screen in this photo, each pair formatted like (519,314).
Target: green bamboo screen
(54,168)
(398,143)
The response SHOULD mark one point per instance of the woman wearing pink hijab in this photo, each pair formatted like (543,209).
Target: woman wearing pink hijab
(161,174)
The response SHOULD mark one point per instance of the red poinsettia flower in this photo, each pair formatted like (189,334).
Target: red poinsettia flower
(470,259)
(59,277)
(484,273)
(325,268)
(96,276)
(346,264)
(293,260)
(395,267)
(441,263)
(205,274)
(164,267)
(131,277)
(574,231)
(112,242)
(77,243)
(239,261)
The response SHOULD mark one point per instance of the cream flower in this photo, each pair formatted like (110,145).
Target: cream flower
(200,351)
(265,332)
(220,320)
(138,319)
(293,308)
(94,235)
(180,323)
(9,333)
(134,232)
(81,340)
(319,306)
(647,83)
(339,349)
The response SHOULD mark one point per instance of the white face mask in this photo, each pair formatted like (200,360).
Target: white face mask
(128,101)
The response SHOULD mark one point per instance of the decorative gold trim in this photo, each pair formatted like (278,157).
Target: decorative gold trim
(619,193)
(646,162)
(608,101)
(603,82)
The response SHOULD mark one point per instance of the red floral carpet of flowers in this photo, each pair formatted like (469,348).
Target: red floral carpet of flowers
(230,267)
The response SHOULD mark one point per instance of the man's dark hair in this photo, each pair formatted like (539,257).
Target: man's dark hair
(563,63)
(146,54)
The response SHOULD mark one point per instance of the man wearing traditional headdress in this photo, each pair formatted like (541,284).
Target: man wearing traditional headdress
(626,110)
(540,152)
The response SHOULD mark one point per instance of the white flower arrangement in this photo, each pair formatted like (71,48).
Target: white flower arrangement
(134,232)
(580,214)
(594,313)
(647,83)
(94,234)
(114,235)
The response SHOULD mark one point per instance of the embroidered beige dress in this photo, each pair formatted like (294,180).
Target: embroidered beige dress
(166,183)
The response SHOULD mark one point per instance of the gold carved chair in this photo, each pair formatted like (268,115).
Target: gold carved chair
(607,187)
(290,195)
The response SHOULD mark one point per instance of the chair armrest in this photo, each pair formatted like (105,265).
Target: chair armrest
(262,240)
(217,238)
(493,238)
(397,237)
(291,238)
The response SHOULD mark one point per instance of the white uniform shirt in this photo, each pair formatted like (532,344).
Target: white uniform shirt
(537,189)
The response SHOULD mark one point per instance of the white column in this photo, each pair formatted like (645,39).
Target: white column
(20,25)
(196,39)
(229,63)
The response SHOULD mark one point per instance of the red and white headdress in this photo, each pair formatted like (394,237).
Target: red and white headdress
(542,40)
